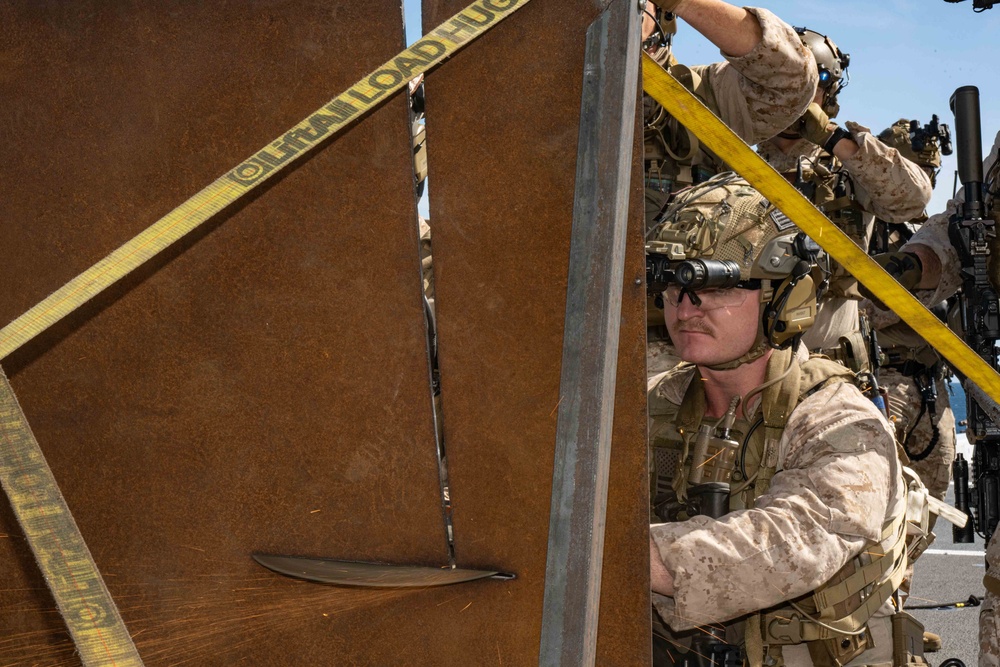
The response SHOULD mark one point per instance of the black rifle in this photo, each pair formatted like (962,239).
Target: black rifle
(978,5)
(973,233)
(931,132)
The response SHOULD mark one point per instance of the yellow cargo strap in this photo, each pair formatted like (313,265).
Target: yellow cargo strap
(67,565)
(712,132)
(369,93)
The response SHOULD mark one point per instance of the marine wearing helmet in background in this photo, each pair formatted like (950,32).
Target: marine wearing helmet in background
(832,64)
(852,177)
(757,93)
(754,422)
(930,265)
(912,374)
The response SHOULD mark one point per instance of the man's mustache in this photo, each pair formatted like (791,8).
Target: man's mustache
(694,327)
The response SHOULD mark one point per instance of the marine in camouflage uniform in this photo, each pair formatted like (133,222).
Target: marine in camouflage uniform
(913,373)
(757,94)
(810,467)
(938,279)
(852,177)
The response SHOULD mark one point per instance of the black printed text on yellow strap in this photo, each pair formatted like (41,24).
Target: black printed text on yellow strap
(62,555)
(368,93)
(66,563)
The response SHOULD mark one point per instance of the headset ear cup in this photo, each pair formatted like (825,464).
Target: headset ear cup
(767,318)
(791,312)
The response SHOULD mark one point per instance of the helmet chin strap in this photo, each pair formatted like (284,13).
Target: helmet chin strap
(760,346)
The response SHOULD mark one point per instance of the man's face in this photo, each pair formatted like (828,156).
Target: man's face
(707,335)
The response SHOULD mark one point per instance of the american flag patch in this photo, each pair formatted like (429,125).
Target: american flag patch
(781,221)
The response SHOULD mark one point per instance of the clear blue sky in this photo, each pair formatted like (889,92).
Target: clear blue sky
(907,58)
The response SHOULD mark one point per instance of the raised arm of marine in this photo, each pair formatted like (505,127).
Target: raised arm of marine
(939,260)
(761,93)
(765,83)
(852,177)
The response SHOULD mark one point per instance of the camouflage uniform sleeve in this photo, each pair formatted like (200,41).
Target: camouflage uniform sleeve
(760,94)
(890,186)
(934,235)
(883,319)
(829,499)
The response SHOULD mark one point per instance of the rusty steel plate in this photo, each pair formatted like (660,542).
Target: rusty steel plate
(502,127)
(263,385)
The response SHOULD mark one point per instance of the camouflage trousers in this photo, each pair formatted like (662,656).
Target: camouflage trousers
(904,412)
(989,614)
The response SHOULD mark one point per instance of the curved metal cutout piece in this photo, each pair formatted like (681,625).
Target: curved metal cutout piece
(377,575)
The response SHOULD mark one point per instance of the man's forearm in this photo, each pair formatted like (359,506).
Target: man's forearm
(846,148)
(930,274)
(733,29)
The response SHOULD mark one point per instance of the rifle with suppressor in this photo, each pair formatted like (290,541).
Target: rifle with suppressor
(973,233)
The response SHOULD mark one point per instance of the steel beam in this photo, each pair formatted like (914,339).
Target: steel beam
(590,342)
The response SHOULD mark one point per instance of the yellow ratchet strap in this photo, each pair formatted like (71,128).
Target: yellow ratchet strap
(64,559)
(715,134)
(369,93)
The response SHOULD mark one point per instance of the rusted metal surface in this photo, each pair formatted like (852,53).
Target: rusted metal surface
(502,159)
(263,386)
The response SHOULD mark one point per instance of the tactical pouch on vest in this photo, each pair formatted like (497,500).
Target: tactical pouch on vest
(848,216)
(673,155)
(907,640)
(852,352)
(838,651)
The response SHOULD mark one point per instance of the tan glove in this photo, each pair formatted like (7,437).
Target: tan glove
(815,126)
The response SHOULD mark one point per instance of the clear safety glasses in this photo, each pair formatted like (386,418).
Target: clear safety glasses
(709,299)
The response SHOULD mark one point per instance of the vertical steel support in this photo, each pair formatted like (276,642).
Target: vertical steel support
(590,341)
